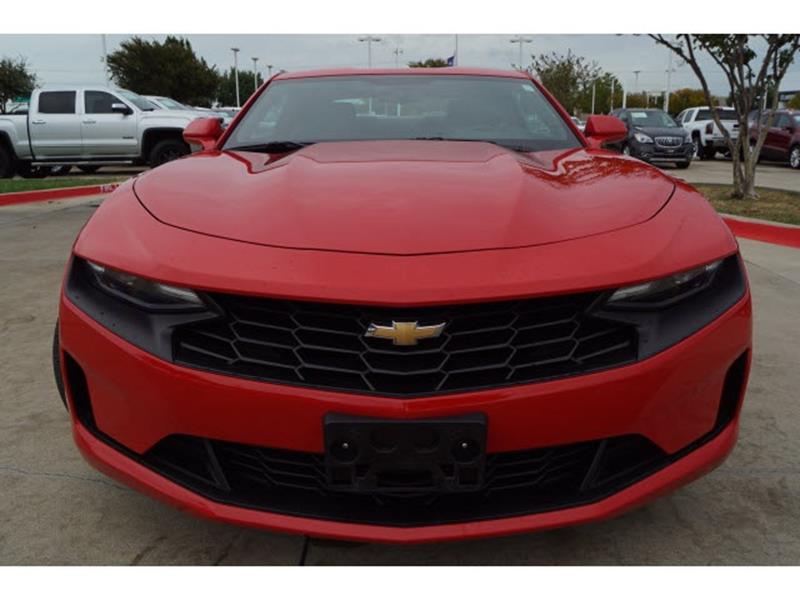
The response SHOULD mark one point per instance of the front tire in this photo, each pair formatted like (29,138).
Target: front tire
(794,157)
(28,171)
(166,151)
(6,164)
(683,164)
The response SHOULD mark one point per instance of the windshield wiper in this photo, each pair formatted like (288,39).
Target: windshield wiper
(270,147)
(514,147)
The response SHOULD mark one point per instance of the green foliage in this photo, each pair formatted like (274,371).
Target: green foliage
(794,102)
(684,98)
(226,91)
(428,62)
(15,80)
(168,69)
(570,79)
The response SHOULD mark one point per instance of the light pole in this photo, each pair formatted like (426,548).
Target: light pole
(397,52)
(520,40)
(269,71)
(669,82)
(611,105)
(255,73)
(369,39)
(594,89)
(236,73)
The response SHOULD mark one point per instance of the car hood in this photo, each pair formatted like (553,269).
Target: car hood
(662,131)
(404,197)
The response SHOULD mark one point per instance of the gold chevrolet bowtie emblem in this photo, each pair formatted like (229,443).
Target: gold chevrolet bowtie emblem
(406,333)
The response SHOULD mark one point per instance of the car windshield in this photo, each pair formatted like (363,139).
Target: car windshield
(652,118)
(171,104)
(724,114)
(502,110)
(140,102)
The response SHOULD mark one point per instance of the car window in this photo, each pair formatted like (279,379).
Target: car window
(140,102)
(651,118)
(681,116)
(98,103)
(504,110)
(57,103)
(782,121)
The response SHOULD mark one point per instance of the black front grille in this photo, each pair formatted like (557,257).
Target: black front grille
(669,141)
(516,483)
(482,345)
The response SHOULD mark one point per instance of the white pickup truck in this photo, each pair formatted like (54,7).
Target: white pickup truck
(89,126)
(707,138)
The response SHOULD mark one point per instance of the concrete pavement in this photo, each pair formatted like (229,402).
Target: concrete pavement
(770,175)
(54,509)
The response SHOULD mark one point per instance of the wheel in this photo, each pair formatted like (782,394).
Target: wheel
(794,157)
(6,164)
(60,169)
(706,152)
(27,171)
(695,145)
(626,149)
(683,164)
(167,150)
(89,168)
(57,367)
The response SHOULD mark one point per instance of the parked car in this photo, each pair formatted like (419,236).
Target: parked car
(580,124)
(470,321)
(783,138)
(89,126)
(706,136)
(654,136)
(166,103)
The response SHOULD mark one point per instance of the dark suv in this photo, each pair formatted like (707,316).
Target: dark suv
(654,136)
(783,138)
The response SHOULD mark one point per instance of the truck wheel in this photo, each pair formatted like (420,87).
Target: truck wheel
(6,164)
(683,165)
(794,157)
(167,150)
(707,152)
(89,168)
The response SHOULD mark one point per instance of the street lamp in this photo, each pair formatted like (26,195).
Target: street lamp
(255,73)
(520,40)
(369,39)
(236,73)
(269,71)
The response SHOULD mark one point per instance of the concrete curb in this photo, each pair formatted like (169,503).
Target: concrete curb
(56,193)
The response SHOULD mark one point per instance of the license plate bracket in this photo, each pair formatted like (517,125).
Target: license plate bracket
(394,456)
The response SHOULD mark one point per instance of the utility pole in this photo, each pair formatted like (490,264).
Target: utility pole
(520,40)
(369,39)
(455,54)
(613,81)
(636,84)
(269,71)
(669,81)
(104,60)
(255,73)
(594,88)
(397,52)
(236,73)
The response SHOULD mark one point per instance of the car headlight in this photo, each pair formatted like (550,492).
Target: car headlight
(143,292)
(669,309)
(642,138)
(668,289)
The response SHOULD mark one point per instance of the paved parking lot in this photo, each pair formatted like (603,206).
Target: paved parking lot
(54,509)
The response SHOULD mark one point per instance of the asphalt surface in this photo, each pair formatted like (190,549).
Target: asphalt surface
(54,509)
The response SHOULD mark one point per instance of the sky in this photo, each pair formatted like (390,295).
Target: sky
(63,58)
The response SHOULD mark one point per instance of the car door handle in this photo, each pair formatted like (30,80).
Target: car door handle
(89,122)
(38,122)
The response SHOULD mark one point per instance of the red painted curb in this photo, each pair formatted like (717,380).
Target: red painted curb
(765,232)
(56,194)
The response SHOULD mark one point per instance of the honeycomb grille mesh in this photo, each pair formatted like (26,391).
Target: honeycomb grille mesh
(482,345)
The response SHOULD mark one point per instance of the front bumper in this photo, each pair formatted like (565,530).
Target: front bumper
(657,153)
(672,399)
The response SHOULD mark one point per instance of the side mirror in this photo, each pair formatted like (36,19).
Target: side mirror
(203,132)
(604,129)
(119,107)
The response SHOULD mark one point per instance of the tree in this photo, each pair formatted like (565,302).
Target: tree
(684,98)
(568,77)
(15,80)
(226,91)
(168,69)
(751,64)
(428,62)
(794,102)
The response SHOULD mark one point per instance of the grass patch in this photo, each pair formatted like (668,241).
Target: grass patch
(29,185)
(771,205)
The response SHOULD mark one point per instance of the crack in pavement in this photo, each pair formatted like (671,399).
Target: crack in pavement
(49,475)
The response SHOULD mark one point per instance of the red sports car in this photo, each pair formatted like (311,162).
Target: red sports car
(404,306)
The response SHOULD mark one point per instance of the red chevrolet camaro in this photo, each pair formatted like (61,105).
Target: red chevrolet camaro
(404,306)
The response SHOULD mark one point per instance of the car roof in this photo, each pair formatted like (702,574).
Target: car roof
(446,71)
